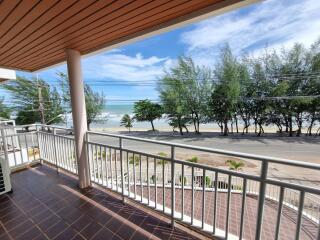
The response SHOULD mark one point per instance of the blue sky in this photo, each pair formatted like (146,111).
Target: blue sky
(275,23)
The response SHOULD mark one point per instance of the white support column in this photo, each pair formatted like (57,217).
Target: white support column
(79,114)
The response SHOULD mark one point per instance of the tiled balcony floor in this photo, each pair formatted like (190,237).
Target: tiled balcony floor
(47,205)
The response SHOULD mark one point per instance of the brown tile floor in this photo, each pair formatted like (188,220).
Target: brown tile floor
(45,205)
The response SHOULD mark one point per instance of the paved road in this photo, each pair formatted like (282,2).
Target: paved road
(298,148)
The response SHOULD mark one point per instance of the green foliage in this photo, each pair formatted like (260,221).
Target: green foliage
(225,95)
(153,178)
(126,121)
(184,180)
(162,161)
(4,110)
(145,110)
(94,101)
(193,159)
(103,154)
(235,165)
(208,181)
(134,160)
(162,154)
(24,94)
(184,92)
(94,104)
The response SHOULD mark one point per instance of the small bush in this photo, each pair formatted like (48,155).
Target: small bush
(193,159)
(162,161)
(235,165)
(135,160)
(184,180)
(208,181)
(153,178)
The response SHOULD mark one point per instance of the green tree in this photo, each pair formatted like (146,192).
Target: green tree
(94,104)
(4,110)
(95,101)
(171,92)
(126,121)
(197,86)
(35,101)
(226,93)
(244,105)
(312,88)
(184,91)
(145,110)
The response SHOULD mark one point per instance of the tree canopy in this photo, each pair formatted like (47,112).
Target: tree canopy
(145,110)
(184,92)
(277,88)
(126,121)
(4,110)
(95,101)
(35,100)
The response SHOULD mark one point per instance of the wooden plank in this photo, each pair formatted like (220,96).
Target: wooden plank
(127,26)
(28,19)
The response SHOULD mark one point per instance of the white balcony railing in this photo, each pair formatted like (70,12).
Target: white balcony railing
(191,193)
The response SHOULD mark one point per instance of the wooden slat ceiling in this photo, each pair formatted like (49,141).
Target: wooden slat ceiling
(35,33)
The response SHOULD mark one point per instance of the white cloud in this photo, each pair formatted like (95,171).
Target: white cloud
(117,66)
(276,23)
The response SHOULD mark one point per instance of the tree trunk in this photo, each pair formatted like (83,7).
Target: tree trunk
(232,126)
(287,124)
(310,127)
(152,125)
(236,120)
(255,125)
(225,133)
(279,127)
(290,126)
(180,127)
(260,130)
(194,125)
(299,122)
(221,128)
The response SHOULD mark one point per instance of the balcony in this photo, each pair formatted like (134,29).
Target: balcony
(137,193)
(47,205)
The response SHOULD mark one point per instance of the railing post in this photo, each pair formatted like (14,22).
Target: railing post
(55,149)
(172,187)
(39,145)
(5,146)
(87,156)
(262,192)
(121,169)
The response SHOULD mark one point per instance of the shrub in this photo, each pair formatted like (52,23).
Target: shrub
(184,180)
(235,165)
(134,160)
(193,159)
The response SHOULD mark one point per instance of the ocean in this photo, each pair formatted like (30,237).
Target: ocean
(111,116)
